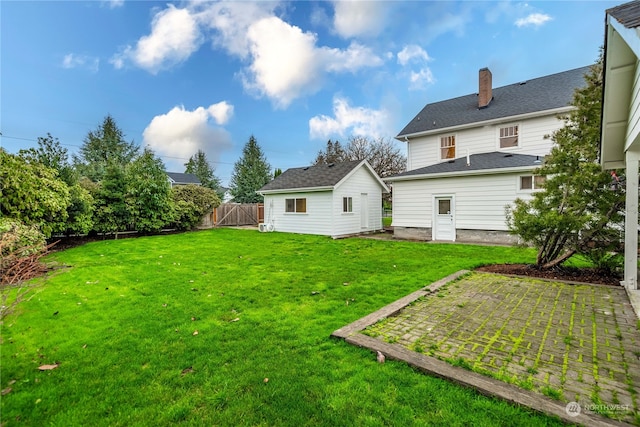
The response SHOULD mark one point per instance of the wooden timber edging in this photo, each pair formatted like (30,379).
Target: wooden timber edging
(485,385)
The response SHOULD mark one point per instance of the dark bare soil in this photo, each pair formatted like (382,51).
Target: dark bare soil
(570,274)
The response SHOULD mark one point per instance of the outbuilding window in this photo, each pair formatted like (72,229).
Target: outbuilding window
(296,205)
(347,204)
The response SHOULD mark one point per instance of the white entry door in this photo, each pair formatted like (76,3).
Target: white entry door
(444,226)
(364,210)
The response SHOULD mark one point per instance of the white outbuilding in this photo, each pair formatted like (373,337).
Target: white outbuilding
(335,199)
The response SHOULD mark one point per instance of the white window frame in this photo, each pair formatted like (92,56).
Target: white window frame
(295,205)
(449,137)
(536,181)
(347,205)
(509,126)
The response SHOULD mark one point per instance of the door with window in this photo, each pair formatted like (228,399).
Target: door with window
(444,224)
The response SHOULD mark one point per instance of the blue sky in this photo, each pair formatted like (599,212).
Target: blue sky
(183,76)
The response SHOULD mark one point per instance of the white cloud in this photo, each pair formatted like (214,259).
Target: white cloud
(347,120)
(359,18)
(420,79)
(287,64)
(71,60)
(221,112)
(412,52)
(175,35)
(114,4)
(231,21)
(355,57)
(533,20)
(181,133)
(283,62)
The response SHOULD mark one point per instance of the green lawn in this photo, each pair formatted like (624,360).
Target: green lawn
(122,323)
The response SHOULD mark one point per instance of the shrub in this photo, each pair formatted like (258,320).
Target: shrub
(21,247)
(191,203)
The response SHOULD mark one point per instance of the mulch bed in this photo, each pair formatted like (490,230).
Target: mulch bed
(570,274)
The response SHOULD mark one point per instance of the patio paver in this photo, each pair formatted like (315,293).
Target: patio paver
(570,342)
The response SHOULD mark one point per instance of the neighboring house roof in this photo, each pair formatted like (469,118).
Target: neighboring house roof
(317,177)
(177,178)
(541,94)
(494,162)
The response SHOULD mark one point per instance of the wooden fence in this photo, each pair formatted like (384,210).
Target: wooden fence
(233,214)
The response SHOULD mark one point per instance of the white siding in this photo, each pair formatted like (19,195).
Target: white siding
(324,214)
(479,200)
(349,223)
(317,219)
(425,151)
(633,126)
(411,204)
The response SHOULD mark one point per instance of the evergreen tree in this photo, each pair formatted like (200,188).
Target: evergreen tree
(111,212)
(101,148)
(578,210)
(200,167)
(250,173)
(149,193)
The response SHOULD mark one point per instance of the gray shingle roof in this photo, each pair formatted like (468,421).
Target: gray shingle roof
(324,175)
(477,162)
(627,14)
(183,178)
(541,94)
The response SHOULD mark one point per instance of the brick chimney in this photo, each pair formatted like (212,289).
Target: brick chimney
(485,94)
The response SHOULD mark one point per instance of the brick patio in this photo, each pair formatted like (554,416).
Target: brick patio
(570,342)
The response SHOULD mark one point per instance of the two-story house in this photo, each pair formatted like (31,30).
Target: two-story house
(469,157)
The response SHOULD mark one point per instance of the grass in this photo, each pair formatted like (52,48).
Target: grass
(122,323)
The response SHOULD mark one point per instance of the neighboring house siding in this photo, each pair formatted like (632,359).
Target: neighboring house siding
(425,151)
(479,200)
(317,219)
(357,184)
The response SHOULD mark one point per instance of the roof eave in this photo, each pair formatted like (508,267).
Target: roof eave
(475,172)
(297,190)
(505,119)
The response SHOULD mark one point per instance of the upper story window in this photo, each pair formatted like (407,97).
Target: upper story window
(296,205)
(448,147)
(532,182)
(509,136)
(347,204)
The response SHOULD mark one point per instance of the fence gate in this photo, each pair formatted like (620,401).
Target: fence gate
(233,214)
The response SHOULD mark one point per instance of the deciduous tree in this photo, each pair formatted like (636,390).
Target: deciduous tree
(383,156)
(32,193)
(191,203)
(148,193)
